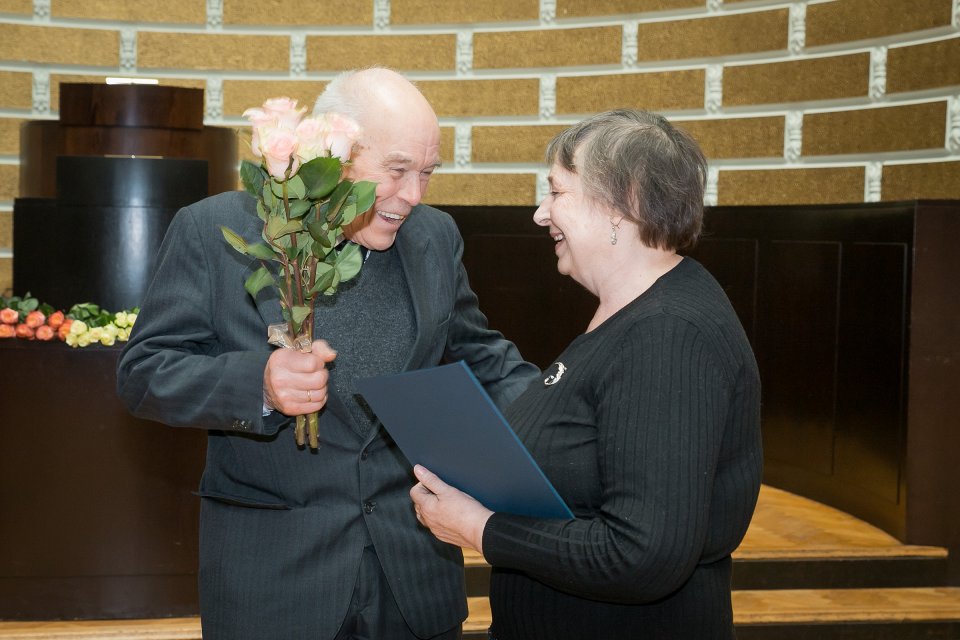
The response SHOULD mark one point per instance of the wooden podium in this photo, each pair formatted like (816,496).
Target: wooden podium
(99,187)
(98,517)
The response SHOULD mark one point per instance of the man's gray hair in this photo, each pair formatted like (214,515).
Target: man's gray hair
(636,163)
(350,95)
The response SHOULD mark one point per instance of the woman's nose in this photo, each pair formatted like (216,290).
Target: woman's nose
(541,216)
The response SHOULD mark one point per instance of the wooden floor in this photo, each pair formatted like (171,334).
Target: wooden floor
(784,526)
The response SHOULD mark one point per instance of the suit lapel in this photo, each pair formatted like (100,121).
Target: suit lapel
(420,271)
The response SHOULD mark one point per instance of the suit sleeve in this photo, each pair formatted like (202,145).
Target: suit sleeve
(174,369)
(660,410)
(495,361)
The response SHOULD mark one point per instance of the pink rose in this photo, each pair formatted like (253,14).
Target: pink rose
(330,135)
(45,332)
(276,114)
(7,331)
(279,146)
(35,319)
(285,111)
(343,134)
(23,331)
(9,316)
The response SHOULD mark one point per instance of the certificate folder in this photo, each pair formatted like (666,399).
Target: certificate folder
(443,419)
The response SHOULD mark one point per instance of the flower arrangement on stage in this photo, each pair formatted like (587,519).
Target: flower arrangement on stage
(304,203)
(84,324)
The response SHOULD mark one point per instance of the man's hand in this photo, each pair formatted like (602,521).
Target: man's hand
(295,383)
(450,514)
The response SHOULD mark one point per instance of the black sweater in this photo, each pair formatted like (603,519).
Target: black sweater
(652,436)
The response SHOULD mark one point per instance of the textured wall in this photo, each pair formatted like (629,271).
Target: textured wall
(793,101)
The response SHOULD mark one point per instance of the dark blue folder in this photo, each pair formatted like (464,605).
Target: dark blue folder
(442,419)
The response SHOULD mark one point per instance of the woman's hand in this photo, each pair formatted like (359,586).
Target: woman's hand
(450,514)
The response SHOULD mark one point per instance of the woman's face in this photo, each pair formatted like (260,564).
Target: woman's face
(581,232)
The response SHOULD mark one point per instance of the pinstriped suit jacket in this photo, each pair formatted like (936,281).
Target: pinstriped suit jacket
(282,529)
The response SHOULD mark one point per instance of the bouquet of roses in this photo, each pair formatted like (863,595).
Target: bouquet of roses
(84,324)
(304,203)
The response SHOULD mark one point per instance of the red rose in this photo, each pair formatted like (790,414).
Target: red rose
(9,316)
(24,331)
(55,319)
(35,319)
(64,329)
(7,331)
(45,332)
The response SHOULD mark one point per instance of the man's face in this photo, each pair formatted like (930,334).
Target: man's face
(399,153)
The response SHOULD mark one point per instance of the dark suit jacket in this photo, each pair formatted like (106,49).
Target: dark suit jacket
(282,529)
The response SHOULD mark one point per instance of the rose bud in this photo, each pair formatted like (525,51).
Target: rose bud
(9,316)
(24,331)
(45,332)
(7,331)
(35,319)
(64,329)
(55,319)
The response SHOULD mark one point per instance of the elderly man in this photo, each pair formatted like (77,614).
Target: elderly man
(318,544)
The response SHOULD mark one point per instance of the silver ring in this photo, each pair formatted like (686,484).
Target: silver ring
(309,396)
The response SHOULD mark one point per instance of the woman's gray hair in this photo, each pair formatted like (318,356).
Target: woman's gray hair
(637,164)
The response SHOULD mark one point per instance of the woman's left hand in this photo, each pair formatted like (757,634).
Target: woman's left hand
(450,514)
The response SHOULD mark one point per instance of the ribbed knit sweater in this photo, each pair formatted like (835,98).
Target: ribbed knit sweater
(651,434)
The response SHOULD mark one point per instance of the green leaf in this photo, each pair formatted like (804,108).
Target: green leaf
(319,251)
(298,315)
(299,208)
(347,214)
(258,280)
(336,200)
(319,232)
(234,239)
(366,193)
(277,227)
(295,188)
(349,261)
(269,198)
(320,176)
(251,175)
(324,278)
(332,289)
(262,211)
(261,250)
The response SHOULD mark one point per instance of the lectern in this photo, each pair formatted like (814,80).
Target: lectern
(99,187)
(97,516)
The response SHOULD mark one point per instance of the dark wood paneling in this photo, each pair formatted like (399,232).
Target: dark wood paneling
(125,120)
(131,105)
(98,515)
(854,317)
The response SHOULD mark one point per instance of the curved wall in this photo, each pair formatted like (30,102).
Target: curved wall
(802,101)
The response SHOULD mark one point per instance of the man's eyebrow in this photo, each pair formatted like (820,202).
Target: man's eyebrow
(396,157)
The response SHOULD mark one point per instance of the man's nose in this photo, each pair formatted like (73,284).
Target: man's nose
(411,190)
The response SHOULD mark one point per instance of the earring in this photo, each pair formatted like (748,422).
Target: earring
(613,230)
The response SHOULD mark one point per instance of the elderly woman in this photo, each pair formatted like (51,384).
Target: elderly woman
(647,424)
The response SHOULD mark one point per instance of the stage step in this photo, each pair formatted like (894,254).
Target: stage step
(770,614)
(804,571)
(796,543)
(820,614)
